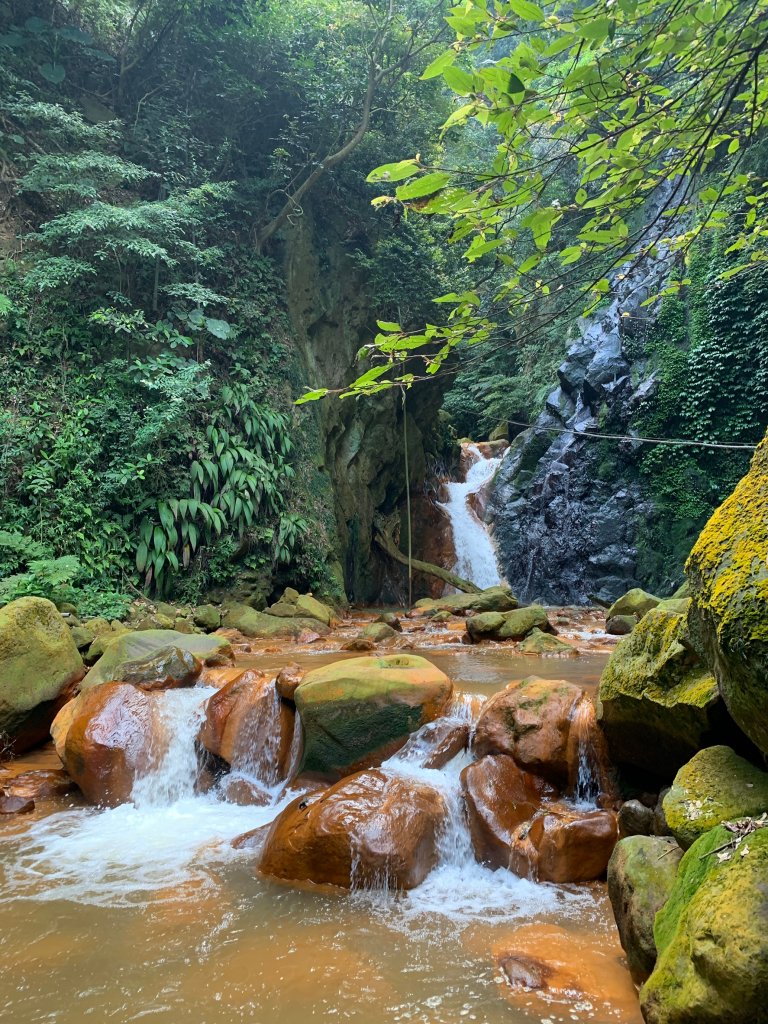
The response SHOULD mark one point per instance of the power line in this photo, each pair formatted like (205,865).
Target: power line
(630,437)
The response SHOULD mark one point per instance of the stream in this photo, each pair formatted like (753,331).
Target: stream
(146,912)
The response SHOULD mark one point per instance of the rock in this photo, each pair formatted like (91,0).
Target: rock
(485,625)
(620,625)
(494,599)
(288,679)
(129,651)
(165,669)
(711,936)
(207,617)
(154,622)
(530,720)
(635,602)
(245,792)
(436,743)
(378,632)
(729,587)
(673,604)
(40,785)
(715,786)
(258,624)
(641,873)
(98,626)
(250,727)
(538,642)
(564,846)
(359,644)
(368,829)
(514,625)
(295,605)
(684,590)
(635,819)
(60,726)
(440,617)
(182,625)
(499,796)
(358,712)
(390,619)
(101,643)
(39,665)
(111,740)
(658,703)
(82,637)
(15,804)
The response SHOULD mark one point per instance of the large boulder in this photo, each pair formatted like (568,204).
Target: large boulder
(513,625)
(564,846)
(499,796)
(658,703)
(261,626)
(151,655)
(531,721)
(113,737)
(436,743)
(641,873)
(39,664)
(368,829)
(494,599)
(539,642)
(715,786)
(356,713)
(292,604)
(728,577)
(711,936)
(249,726)
(635,602)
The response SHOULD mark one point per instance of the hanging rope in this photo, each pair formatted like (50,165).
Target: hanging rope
(408,502)
(629,437)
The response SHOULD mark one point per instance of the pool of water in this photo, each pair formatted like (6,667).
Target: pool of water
(147,913)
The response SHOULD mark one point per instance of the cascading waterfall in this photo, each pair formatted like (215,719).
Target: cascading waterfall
(587,757)
(475,551)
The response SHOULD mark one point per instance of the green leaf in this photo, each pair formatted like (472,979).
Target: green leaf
(218,328)
(460,81)
(394,172)
(526,10)
(439,64)
(424,186)
(383,325)
(53,73)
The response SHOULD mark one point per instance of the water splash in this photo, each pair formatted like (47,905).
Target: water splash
(475,552)
(587,756)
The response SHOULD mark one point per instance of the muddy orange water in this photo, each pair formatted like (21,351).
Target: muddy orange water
(145,913)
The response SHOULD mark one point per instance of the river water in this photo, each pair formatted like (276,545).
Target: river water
(145,912)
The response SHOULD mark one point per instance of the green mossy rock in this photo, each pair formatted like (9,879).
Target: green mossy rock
(712,937)
(485,625)
(98,626)
(102,642)
(182,625)
(641,874)
(678,605)
(514,625)
(127,649)
(538,642)
(635,602)
(728,576)
(262,626)
(292,604)
(620,625)
(657,702)
(38,662)
(207,617)
(356,713)
(156,621)
(378,632)
(494,599)
(82,636)
(715,786)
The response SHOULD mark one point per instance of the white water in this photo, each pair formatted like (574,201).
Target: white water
(475,553)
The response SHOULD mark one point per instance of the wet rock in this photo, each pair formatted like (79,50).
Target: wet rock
(378,632)
(499,796)
(166,669)
(359,643)
(514,625)
(236,789)
(436,743)
(641,874)
(564,846)
(368,829)
(635,819)
(183,625)
(83,637)
(15,804)
(111,740)
(525,973)
(292,604)
(135,653)
(358,712)
(531,720)
(538,642)
(658,703)
(249,622)
(729,611)
(620,625)
(712,965)
(715,786)
(494,599)
(288,679)
(391,620)
(154,622)
(635,602)
(440,617)
(40,785)
(39,667)
(207,617)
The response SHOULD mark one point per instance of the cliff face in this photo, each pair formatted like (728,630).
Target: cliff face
(357,445)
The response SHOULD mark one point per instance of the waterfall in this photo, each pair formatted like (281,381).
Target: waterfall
(587,756)
(475,552)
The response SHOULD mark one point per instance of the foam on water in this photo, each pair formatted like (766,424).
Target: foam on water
(475,553)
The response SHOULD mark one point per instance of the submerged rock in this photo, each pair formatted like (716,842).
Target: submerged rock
(531,721)
(728,578)
(356,713)
(39,664)
(657,702)
(144,654)
(641,874)
(711,936)
(715,786)
(368,829)
(436,743)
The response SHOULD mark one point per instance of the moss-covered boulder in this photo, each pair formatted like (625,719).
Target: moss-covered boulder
(207,617)
(715,786)
(494,599)
(728,575)
(292,604)
(356,713)
(128,651)
(39,662)
(513,625)
(641,874)
(260,625)
(539,642)
(635,602)
(378,632)
(712,936)
(658,703)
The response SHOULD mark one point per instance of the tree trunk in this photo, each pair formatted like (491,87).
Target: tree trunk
(388,545)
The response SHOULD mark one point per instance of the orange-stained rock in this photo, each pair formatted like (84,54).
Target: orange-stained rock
(499,796)
(10,804)
(220,675)
(436,743)
(60,726)
(236,789)
(112,738)
(250,727)
(530,720)
(370,828)
(40,785)
(568,846)
(288,679)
